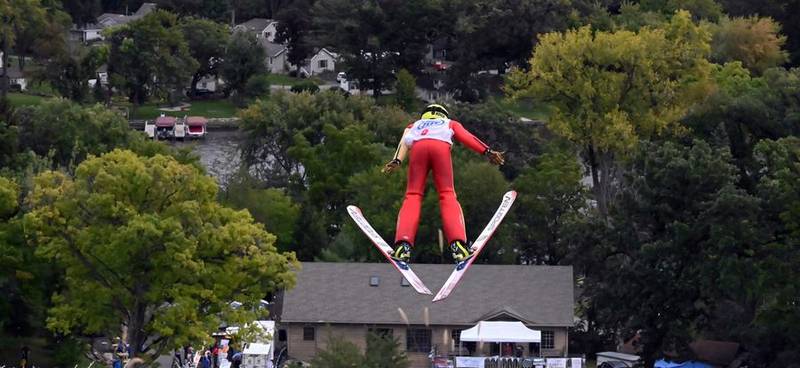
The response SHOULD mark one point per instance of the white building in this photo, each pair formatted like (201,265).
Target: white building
(263,29)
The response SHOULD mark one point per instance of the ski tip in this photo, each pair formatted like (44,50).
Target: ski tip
(438,298)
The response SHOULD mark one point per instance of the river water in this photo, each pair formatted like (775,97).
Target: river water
(219,152)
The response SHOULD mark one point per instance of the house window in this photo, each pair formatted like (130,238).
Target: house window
(323,64)
(455,334)
(281,335)
(308,333)
(267,34)
(418,340)
(458,345)
(548,339)
(202,84)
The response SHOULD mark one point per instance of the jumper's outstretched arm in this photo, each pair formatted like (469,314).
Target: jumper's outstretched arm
(399,155)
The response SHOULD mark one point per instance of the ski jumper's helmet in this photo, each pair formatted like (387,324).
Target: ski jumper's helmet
(435,111)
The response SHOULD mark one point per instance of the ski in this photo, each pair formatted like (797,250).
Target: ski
(385,249)
(477,247)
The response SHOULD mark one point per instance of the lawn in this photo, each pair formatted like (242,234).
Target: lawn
(526,108)
(207,108)
(285,80)
(21,99)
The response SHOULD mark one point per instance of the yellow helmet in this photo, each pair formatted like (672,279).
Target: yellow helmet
(435,111)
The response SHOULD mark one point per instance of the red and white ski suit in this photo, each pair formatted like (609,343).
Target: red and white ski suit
(429,142)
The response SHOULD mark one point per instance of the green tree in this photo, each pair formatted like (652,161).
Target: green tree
(294,27)
(150,58)
(81,131)
(700,9)
(495,34)
(17,16)
(206,41)
(609,90)
(744,110)
(551,198)
(258,86)
(499,128)
(312,145)
(383,351)
(376,37)
(405,90)
(679,234)
(338,353)
(69,72)
(145,244)
(271,207)
(754,41)
(783,11)
(244,58)
(768,300)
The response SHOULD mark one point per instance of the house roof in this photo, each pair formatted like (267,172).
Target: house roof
(341,293)
(272,49)
(255,24)
(145,9)
(112,19)
(13,72)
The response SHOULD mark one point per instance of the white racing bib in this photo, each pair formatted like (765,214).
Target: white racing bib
(438,129)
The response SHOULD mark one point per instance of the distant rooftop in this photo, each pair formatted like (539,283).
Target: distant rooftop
(255,24)
(341,293)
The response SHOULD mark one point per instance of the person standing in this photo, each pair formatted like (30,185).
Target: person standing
(428,142)
(24,358)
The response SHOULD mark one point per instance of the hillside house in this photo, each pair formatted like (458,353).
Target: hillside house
(348,300)
(323,60)
(92,32)
(260,27)
(275,60)
(16,78)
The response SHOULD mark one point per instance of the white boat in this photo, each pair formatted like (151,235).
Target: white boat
(165,127)
(150,129)
(197,126)
(180,129)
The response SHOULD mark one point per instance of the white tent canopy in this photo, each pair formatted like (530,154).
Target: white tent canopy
(497,331)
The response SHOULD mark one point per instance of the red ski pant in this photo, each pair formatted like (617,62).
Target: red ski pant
(426,155)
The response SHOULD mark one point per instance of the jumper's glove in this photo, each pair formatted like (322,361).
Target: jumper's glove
(495,157)
(391,166)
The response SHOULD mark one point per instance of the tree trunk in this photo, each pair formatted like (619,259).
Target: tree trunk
(193,87)
(4,77)
(597,183)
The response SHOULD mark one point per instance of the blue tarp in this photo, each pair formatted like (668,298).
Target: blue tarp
(689,364)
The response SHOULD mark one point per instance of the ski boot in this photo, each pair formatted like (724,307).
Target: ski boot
(461,251)
(401,252)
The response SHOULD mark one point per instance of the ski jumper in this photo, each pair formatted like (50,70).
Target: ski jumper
(430,141)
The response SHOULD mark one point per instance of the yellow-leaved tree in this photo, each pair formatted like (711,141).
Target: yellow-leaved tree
(608,90)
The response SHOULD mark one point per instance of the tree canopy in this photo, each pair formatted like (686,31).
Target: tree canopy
(143,243)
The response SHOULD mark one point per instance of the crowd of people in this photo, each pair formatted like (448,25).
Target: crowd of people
(186,357)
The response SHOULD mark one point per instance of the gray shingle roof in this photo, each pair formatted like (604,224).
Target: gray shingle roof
(340,293)
(255,24)
(272,49)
